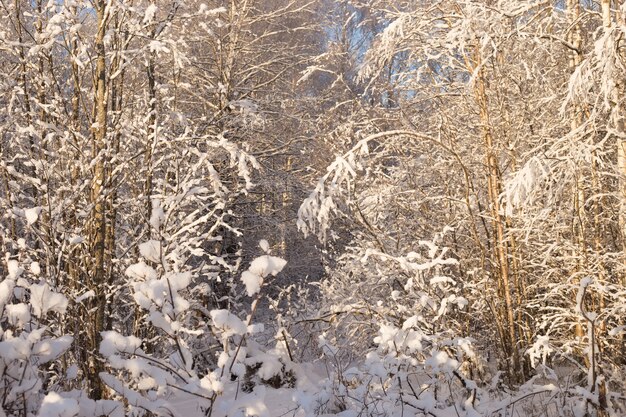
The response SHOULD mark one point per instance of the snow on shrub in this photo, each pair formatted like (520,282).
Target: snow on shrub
(158,378)
(30,344)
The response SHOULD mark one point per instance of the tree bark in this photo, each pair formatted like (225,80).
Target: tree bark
(500,245)
(98,201)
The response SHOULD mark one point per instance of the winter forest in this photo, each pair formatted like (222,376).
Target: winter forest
(300,208)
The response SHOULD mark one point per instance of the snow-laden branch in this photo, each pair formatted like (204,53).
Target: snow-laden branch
(316,211)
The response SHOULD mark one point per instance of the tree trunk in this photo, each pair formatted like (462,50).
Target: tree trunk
(500,245)
(98,200)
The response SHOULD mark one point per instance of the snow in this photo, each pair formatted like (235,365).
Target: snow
(114,343)
(50,349)
(72,372)
(256,328)
(439,279)
(150,13)
(540,350)
(54,405)
(151,250)
(18,314)
(163,322)
(179,281)
(14,349)
(211,12)
(134,398)
(14,269)
(387,335)
(141,271)
(270,365)
(385,311)
(75,240)
(228,323)
(158,47)
(157,218)
(375,365)
(260,268)
(252,282)
(441,362)
(85,296)
(267,265)
(161,293)
(32,214)
(413,341)
(617,330)
(44,300)
(580,295)
(90,408)
(326,346)
(252,404)
(6,292)
(212,383)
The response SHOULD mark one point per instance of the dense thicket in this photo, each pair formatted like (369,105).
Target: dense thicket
(442,185)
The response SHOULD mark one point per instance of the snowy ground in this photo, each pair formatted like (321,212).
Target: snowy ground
(263,401)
